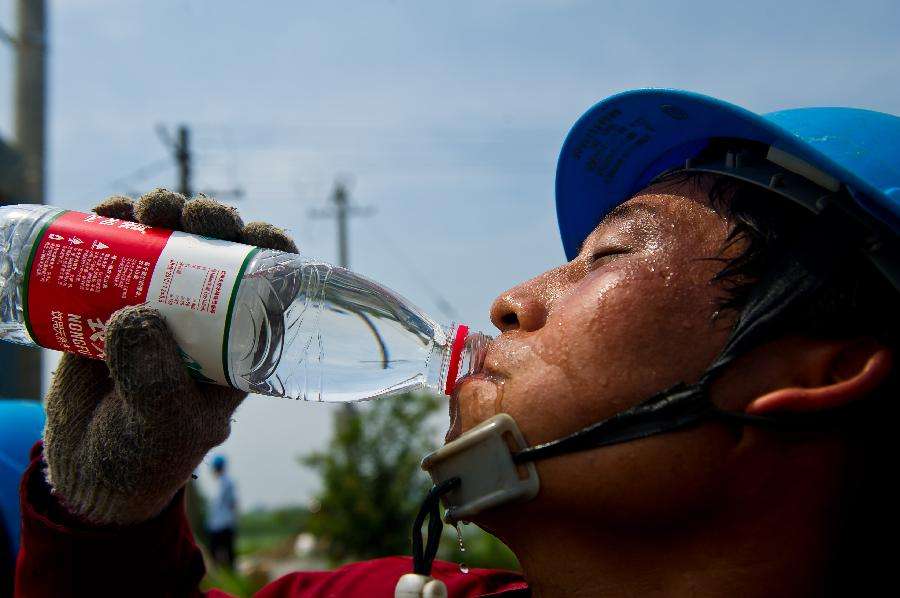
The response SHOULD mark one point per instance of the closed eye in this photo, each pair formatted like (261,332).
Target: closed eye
(605,255)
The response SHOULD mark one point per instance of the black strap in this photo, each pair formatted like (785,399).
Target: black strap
(677,407)
(423,557)
(796,276)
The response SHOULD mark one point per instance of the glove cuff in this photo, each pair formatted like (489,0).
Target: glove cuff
(96,502)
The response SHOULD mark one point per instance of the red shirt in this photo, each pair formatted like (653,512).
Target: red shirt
(61,556)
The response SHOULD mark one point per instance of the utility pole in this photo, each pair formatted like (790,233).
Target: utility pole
(23,366)
(183,157)
(340,207)
(341,212)
(30,88)
(181,151)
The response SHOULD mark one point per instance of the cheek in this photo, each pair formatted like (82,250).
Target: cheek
(655,328)
(618,337)
(562,375)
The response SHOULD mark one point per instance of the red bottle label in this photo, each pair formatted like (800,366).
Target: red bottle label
(84,268)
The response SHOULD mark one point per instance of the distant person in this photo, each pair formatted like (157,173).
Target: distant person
(221,517)
(707,385)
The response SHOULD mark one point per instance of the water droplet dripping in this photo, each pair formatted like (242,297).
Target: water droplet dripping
(459,538)
(463,568)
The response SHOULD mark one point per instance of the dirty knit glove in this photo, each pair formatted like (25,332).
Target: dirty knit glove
(123,436)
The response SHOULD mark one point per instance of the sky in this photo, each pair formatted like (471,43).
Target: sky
(445,118)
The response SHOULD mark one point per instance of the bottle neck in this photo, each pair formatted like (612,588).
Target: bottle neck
(459,353)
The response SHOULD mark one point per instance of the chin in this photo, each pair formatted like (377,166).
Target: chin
(475,399)
(455,428)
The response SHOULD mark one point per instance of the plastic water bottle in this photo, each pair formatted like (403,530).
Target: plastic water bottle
(260,320)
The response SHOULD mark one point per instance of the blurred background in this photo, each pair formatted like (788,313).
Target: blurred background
(430,129)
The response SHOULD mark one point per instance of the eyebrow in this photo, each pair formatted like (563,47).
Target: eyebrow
(624,211)
(627,210)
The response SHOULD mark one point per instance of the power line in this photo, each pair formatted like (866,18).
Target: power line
(180,145)
(142,174)
(442,304)
(342,210)
(124,183)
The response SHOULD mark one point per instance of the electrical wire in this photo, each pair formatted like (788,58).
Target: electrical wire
(442,304)
(141,174)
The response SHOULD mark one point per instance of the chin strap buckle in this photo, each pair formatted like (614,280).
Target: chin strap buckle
(413,585)
(482,459)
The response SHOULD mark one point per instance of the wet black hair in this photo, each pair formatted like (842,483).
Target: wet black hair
(855,302)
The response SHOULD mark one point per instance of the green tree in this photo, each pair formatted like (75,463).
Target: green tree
(371,480)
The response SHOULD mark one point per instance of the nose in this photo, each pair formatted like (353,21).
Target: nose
(520,308)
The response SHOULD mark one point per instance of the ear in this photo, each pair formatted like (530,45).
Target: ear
(851,372)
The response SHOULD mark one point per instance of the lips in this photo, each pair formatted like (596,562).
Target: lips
(488,370)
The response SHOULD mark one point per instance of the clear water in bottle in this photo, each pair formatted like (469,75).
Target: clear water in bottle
(298,328)
(310,330)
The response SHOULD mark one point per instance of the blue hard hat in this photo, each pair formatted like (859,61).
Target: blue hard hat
(622,143)
(21,424)
(219,461)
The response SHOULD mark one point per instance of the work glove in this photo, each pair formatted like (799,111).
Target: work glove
(124,435)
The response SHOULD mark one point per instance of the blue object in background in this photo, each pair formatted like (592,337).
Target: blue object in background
(21,425)
(623,142)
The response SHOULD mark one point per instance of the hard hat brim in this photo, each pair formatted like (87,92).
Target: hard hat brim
(620,144)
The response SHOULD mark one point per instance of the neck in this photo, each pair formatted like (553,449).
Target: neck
(776,552)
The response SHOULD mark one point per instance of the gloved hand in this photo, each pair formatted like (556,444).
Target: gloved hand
(123,436)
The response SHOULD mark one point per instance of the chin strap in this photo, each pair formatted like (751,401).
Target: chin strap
(419,583)
(423,556)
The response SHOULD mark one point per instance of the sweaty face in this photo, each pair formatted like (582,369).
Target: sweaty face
(633,314)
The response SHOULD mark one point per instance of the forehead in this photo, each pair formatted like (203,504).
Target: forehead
(672,206)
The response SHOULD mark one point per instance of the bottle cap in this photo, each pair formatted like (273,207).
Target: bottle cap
(456,349)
